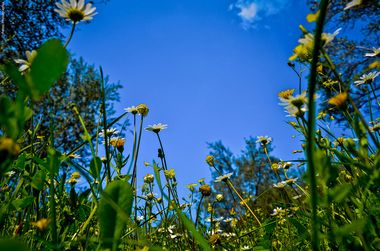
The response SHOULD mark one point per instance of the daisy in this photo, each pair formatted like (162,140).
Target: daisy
(25,64)
(110,132)
(156,127)
(367,78)
(75,11)
(131,109)
(263,140)
(74,156)
(352,4)
(223,177)
(375,52)
(295,105)
(277,211)
(280,185)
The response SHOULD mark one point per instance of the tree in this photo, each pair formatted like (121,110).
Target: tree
(251,174)
(360,31)
(28,23)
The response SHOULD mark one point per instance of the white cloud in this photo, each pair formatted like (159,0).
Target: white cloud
(252,11)
(248,12)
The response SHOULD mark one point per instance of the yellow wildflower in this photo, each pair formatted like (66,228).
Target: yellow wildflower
(170,174)
(312,17)
(42,224)
(339,100)
(286,94)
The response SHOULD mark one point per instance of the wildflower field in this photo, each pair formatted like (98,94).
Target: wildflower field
(327,198)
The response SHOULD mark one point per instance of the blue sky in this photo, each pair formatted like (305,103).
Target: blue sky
(211,70)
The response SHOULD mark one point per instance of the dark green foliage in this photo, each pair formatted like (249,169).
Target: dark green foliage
(114,212)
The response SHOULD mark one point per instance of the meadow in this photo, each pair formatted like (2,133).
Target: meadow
(331,203)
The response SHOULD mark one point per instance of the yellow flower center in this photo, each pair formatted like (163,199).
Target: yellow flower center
(75,15)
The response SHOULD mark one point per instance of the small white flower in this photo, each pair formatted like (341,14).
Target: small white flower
(326,38)
(131,109)
(296,106)
(171,228)
(110,132)
(278,211)
(263,140)
(173,236)
(367,78)
(375,52)
(156,127)
(352,4)
(75,11)
(227,220)
(74,156)
(280,185)
(286,165)
(140,218)
(25,64)
(246,247)
(223,177)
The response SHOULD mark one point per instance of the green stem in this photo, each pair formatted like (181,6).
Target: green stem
(311,123)
(105,127)
(134,175)
(71,34)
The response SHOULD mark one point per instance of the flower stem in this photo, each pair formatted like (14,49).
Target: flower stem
(106,139)
(71,34)
(312,122)
(243,201)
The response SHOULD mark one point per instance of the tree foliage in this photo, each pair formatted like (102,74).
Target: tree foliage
(360,32)
(251,174)
(27,24)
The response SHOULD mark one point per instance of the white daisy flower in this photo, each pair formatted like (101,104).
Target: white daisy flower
(367,78)
(110,132)
(25,64)
(326,38)
(75,11)
(74,156)
(277,211)
(156,127)
(140,218)
(131,109)
(375,52)
(263,140)
(352,4)
(280,185)
(296,106)
(223,177)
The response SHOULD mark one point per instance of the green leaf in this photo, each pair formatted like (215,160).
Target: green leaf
(355,226)
(8,120)
(53,161)
(49,64)
(114,211)
(339,193)
(95,166)
(12,245)
(302,230)
(38,180)
(23,203)
(12,71)
(191,228)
